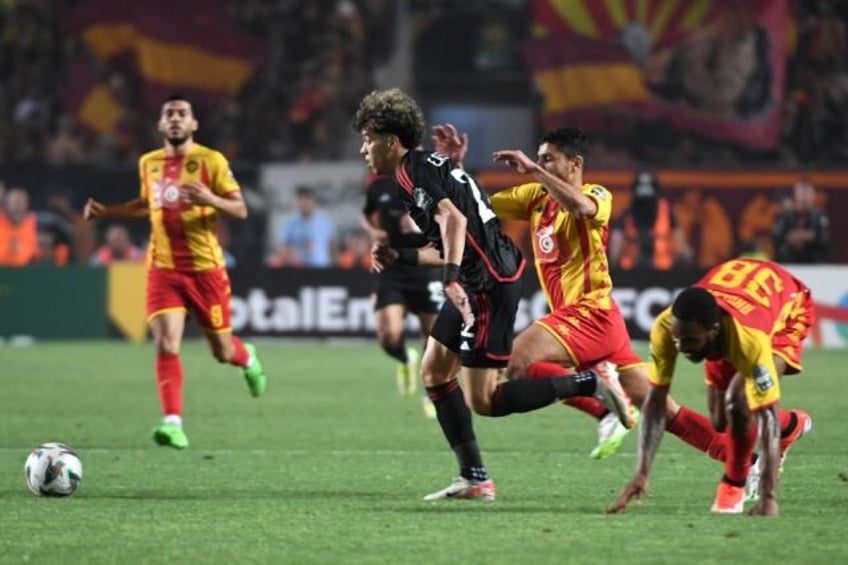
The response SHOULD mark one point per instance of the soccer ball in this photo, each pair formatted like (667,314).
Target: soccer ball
(53,469)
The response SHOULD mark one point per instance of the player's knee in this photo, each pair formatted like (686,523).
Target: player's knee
(432,378)
(167,345)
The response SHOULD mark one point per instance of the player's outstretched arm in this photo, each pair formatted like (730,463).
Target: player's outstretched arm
(567,195)
(136,208)
(770,454)
(651,429)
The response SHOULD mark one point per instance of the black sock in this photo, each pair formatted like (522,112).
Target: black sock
(583,383)
(793,423)
(397,351)
(526,395)
(522,395)
(455,419)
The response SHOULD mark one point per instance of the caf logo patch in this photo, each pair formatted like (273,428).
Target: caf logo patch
(191,166)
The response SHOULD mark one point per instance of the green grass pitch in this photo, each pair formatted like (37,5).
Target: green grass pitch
(330,467)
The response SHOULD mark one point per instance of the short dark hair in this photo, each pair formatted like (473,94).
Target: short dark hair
(696,304)
(572,141)
(304,190)
(175,97)
(391,111)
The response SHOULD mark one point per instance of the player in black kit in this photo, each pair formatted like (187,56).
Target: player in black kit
(482,271)
(400,288)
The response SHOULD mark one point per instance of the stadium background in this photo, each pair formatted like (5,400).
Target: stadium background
(276,83)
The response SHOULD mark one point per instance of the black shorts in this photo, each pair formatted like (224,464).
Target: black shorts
(420,292)
(488,343)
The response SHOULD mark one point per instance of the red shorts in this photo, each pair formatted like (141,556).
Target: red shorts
(206,294)
(787,343)
(592,335)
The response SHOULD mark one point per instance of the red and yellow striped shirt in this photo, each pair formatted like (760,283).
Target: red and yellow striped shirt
(182,235)
(569,252)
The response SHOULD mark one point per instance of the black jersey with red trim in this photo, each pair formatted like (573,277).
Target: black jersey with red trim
(490,256)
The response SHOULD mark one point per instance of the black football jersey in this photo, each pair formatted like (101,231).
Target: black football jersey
(383,197)
(490,257)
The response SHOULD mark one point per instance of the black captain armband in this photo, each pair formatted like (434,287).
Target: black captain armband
(407,256)
(451,273)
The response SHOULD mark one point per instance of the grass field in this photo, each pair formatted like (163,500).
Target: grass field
(331,464)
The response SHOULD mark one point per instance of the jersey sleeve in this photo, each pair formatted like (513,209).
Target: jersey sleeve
(663,352)
(751,353)
(514,203)
(223,180)
(603,199)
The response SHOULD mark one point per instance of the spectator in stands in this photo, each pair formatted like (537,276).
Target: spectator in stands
(51,252)
(801,232)
(646,235)
(356,252)
(118,247)
(308,237)
(18,230)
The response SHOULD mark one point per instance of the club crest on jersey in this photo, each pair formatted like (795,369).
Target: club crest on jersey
(762,379)
(421,198)
(191,166)
(546,242)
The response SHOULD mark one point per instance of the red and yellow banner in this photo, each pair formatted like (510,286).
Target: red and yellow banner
(715,67)
(159,46)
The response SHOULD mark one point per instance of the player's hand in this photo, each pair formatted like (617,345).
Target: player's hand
(636,488)
(93,209)
(515,159)
(767,506)
(457,295)
(447,141)
(197,193)
(382,256)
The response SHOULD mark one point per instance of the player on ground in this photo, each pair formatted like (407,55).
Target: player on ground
(752,316)
(184,186)
(400,288)
(482,271)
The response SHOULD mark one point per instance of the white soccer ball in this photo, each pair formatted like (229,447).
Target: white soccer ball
(53,469)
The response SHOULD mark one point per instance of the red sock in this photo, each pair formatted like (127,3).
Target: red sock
(739,455)
(696,430)
(784,417)
(169,377)
(589,405)
(241,356)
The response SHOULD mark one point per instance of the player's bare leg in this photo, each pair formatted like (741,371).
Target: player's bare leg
(426,320)
(228,348)
(389,322)
(167,328)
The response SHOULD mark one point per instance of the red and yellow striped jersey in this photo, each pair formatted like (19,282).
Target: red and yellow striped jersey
(569,252)
(757,298)
(182,235)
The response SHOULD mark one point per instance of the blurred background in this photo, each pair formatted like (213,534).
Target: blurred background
(720,126)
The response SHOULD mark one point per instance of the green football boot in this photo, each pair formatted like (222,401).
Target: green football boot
(171,435)
(254,374)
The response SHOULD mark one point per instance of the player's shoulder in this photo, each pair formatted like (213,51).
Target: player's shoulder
(424,158)
(206,152)
(155,155)
(597,190)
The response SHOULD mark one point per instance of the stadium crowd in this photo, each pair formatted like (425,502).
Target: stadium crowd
(320,58)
